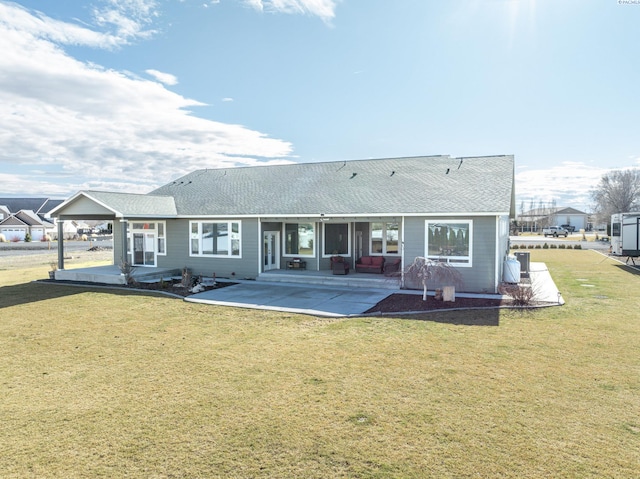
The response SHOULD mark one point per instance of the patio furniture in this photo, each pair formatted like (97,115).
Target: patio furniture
(391,268)
(370,264)
(339,265)
(296,264)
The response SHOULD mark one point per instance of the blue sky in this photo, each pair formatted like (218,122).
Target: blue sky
(126,95)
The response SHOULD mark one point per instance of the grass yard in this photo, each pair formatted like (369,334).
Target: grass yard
(97,383)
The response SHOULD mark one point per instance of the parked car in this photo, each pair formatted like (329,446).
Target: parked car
(569,228)
(555,231)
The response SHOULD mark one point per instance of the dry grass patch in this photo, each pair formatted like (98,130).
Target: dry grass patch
(103,384)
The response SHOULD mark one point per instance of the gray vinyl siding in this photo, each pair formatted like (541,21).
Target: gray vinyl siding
(478,278)
(481,278)
(177,243)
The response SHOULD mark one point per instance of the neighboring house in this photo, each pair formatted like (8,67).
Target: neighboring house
(4,212)
(538,218)
(241,222)
(31,215)
(40,206)
(17,226)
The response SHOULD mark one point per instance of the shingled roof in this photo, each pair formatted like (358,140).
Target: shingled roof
(124,205)
(40,206)
(415,185)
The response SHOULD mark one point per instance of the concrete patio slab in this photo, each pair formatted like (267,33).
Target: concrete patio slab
(320,300)
(295,298)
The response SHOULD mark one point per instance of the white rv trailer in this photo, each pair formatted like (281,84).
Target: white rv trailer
(625,234)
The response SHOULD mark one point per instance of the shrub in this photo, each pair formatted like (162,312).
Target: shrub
(538,246)
(563,246)
(515,246)
(577,246)
(27,238)
(553,246)
(545,246)
(522,295)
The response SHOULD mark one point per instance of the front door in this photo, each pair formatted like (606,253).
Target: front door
(144,252)
(271,252)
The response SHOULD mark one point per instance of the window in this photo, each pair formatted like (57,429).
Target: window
(615,229)
(158,229)
(161,239)
(336,239)
(215,238)
(385,238)
(299,239)
(450,241)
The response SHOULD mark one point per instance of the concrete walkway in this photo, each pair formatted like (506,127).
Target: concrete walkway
(320,300)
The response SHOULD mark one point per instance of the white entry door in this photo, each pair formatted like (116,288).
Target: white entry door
(271,254)
(144,251)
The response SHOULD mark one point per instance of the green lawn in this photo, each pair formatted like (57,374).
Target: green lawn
(98,383)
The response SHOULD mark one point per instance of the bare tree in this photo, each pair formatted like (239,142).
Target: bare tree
(423,270)
(617,192)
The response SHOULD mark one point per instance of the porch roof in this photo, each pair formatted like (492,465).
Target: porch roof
(103,204)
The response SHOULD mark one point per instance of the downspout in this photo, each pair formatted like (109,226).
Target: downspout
(60,244)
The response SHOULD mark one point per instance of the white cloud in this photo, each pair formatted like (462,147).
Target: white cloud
(325,9)
(16,19)
(127,17)
(90,127)
(227,99)
(568,184)
(166,78)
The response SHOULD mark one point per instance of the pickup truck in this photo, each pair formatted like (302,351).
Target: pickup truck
(555,231)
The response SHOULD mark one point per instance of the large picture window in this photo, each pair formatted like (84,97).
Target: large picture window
(450,241)
(215,238)
(385,238)
(299,239)
(336,239)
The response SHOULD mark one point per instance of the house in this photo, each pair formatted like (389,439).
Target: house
(243,222)
(538,218)
(17,226)
(22,216)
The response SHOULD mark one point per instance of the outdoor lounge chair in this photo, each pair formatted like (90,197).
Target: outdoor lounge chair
(339,265)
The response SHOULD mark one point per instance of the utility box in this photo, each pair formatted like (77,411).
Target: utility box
(524,257)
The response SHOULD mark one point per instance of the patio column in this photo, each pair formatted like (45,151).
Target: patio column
(125,253)
(403,264)
(60,244)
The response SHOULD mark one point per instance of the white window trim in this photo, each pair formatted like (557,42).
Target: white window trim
(457,264)
(384,237)
(200,254)
(299,255)
(324,241)
(164,237)
(131,230)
